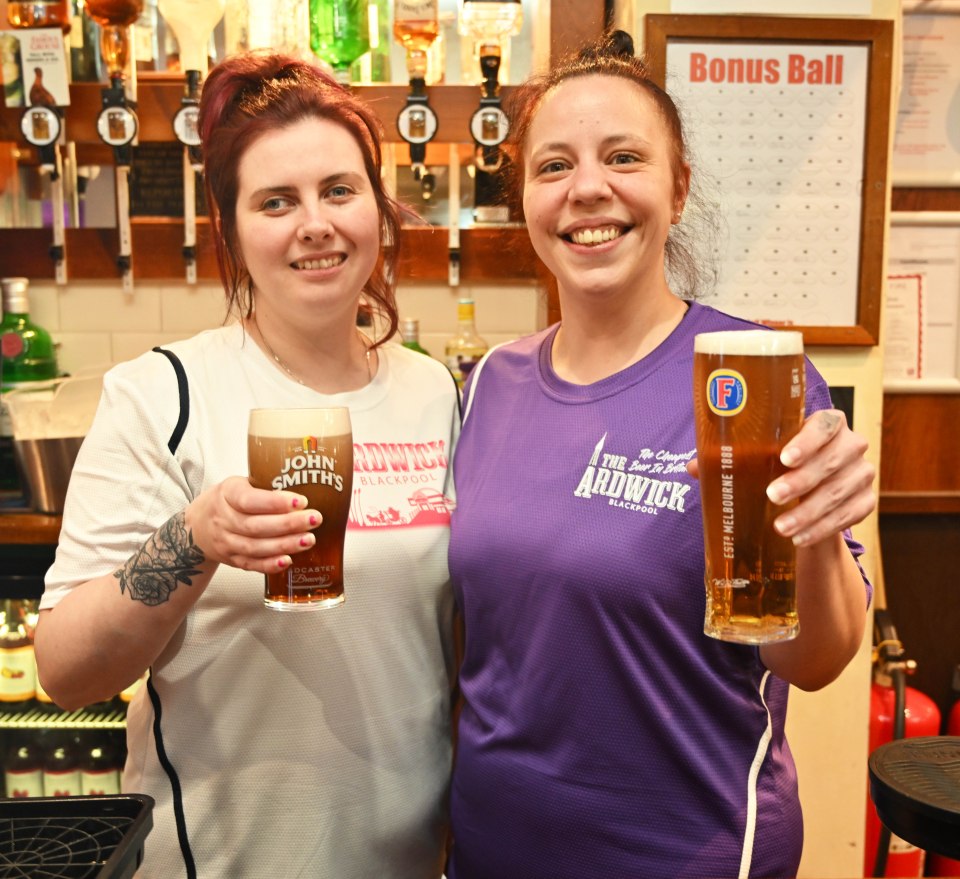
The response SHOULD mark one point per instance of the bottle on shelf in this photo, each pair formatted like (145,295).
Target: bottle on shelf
(374,66)
(39,13)
(410,334)
(28,356)
(465,347)
(84,42)
(416,25)
(146,38)
(18,681)
(99,766)
(339,33)
(115,18)
(61,766)
(488,21)
(23,769)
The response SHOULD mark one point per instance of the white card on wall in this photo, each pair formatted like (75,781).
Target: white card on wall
(779,130)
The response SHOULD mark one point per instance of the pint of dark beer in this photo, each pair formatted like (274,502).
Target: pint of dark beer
(748,402)
(309,451)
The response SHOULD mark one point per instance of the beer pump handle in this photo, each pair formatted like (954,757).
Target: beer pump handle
(58,248)
(453,198)
(125,250)
(185,128)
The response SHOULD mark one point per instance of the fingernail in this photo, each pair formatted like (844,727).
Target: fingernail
(789,456)
(296,502)
(314,520)
(777,492)
(306,541)
(799,539)
(785,524)
(281,563)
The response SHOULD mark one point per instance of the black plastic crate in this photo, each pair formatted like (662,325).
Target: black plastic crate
(73,837)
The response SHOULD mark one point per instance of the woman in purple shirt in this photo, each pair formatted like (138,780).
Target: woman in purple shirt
(602,733)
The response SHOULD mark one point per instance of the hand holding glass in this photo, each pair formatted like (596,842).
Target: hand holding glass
(310,452)
(748,402)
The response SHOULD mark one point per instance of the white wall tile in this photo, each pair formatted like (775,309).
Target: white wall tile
(86,307)
(78,351)
(190,309)
(44,309)
(126,346)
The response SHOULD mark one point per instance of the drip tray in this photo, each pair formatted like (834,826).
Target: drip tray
(915,785)
(74,837)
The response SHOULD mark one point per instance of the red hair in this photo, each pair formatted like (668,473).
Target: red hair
(250,94)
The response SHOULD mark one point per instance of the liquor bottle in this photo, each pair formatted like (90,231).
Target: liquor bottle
(146,38)
(115,18)
(339,33)
(410,333)
(374,66)
(465,348)
(61,768)
(99,767)
(487,21)
(84,43)
(17,662)
(416,24)
(39,13)
(23,770)
(28,355)
(192,23)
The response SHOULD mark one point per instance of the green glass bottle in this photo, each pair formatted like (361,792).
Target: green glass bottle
(28,356)
(410,333)
(339,33)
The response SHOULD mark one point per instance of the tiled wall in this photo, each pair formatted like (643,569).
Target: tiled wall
(96,323)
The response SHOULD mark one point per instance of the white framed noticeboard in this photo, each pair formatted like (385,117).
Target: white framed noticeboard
(921,332)
(788,117)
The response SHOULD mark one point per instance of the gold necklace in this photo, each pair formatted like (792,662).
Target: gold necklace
(291,373)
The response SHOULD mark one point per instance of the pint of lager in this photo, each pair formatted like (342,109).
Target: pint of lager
(309,451)
(748,402)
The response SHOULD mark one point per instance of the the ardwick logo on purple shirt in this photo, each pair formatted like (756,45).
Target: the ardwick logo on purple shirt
(628,481)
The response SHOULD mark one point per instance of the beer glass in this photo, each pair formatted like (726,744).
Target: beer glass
(309,451)
(748,402)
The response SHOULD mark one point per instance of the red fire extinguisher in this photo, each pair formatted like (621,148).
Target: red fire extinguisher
(896,711)
(941,865)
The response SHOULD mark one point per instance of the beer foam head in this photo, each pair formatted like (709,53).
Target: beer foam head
(747,342)
(283,423)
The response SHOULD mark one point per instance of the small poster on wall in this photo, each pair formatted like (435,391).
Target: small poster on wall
(34,68)
(926,145)
(922,320)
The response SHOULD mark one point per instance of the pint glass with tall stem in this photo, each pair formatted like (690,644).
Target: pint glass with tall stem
(308,451)
(748,402)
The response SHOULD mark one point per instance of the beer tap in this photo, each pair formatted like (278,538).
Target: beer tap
(416,26)
(417,124)
(453,198)
(117,123)
(42,126)
(489,127)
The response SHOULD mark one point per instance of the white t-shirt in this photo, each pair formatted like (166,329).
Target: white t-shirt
(305,744)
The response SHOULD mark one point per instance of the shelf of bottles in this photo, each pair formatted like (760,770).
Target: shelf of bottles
(384,50)
(45,751)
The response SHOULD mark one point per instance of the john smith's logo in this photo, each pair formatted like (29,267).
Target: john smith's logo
(726,392)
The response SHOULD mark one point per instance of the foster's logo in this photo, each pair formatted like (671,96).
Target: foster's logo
(726,392)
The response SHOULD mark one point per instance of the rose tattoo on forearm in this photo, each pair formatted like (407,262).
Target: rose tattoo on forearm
(168,558)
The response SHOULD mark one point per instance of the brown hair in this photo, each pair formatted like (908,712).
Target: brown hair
(246,96)
(613,55)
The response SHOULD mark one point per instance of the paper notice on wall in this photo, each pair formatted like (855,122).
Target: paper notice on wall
(777,132)
(922,315)
(34,68)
